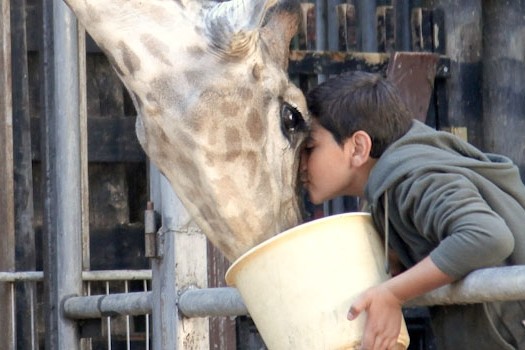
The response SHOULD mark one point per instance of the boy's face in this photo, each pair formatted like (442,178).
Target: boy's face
(328,169)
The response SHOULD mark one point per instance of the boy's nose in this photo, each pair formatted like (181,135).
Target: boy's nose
(304,161)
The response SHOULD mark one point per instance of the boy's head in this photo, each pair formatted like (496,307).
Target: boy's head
(355,117)
(360,101)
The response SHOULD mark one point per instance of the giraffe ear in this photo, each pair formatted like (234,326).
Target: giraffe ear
(282,23)
(232,26)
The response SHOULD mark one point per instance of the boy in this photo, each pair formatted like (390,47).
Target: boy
(450,209)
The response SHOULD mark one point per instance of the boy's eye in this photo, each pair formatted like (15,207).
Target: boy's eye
(309,145)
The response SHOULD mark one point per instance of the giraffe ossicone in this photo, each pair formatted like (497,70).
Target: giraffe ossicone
(217,113)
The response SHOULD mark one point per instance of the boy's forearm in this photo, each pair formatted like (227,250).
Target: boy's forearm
(418,280)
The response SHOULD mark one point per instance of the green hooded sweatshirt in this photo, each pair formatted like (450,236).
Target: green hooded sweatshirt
(449,200)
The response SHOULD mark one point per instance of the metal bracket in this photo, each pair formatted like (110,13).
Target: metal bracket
(150,232)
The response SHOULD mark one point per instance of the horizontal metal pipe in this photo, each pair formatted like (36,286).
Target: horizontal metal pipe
(25,276)
(103,275)
(211,302)
(116,275)
(490,284)
(97,306)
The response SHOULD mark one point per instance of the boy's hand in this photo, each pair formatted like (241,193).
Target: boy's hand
(382,303)
(384,318)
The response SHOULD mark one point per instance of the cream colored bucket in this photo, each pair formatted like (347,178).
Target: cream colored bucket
(299,285)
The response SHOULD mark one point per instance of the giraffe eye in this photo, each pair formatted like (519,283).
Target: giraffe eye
(292,120)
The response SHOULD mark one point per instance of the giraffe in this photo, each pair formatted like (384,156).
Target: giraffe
(217,113)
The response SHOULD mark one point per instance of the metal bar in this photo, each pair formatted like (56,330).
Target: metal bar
(366,12)
(108,320)
(223,301)
(503,72)
(332,30)
(61,173)
(108,305)
(147,320)
(84,169)
(506,283)
(116,275)
(7,228)
(23,179)
(484,285)
(402,24)
(109,275)
(164,285)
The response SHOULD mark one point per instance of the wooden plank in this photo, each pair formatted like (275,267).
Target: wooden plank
(324,62)
(7,227)
(110,139)
(414,73)
(347,23)
(306,33)
(385,29)
(422,31)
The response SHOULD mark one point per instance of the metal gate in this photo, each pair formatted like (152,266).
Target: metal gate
(167,307)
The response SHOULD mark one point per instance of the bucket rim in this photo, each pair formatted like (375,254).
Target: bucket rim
(236,265)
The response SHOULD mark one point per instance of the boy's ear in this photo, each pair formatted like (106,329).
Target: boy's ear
(359,146)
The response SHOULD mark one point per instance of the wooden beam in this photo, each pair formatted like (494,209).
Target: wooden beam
(110,139)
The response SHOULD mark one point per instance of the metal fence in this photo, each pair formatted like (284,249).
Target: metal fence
(70,307)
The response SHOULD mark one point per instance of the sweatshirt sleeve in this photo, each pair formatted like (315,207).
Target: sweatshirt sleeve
(448,211)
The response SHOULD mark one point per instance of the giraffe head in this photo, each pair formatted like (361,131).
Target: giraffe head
(216,111)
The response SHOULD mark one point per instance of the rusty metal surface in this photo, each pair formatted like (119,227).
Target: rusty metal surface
(414,73)
(335,62)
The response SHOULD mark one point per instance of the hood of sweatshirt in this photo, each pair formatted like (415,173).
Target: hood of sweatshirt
(423,149)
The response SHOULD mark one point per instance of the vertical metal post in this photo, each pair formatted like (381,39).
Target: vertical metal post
(332,25)
(463,28)
(61,173)
(181,263)
(163,285)
(503,74)
(321,17)
(7,227)
(366,12)
(86,343)
(23,178)
(402,24)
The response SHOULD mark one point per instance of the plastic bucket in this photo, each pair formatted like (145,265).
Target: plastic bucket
(299,285)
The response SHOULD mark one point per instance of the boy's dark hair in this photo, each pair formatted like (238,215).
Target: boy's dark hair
(360,101)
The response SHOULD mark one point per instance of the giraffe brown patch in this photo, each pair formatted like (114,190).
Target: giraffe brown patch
(245,93)
(130,59)
(255,126)
(190,170)
(156,47)
(193,76)
(264,186)
(164,91)
(158,12)
(233,143)
(229,108)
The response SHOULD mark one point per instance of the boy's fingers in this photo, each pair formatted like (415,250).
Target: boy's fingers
(353,313)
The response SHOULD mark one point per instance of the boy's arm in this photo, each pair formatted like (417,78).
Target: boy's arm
(383,302)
